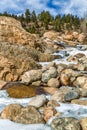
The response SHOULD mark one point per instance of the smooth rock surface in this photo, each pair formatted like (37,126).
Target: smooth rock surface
(38,101)
(18,90)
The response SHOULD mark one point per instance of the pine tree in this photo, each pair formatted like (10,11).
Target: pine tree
(27,16)
(57,23)
(33,16)
(21,18)
(45,17)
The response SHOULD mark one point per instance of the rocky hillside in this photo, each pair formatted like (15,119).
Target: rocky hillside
(12,31)
(20,51)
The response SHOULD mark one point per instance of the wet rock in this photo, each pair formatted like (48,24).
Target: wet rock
(38,101)
(53,82)
(83,123)
(66,123)
(51,73)
(53,103)
(31,76)
(18,90)
(79,102)
(23,115)
(71,95)
(48,113)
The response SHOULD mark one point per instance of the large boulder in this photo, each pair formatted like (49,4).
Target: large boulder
(71,95)
(10,111)
(59,94)
(66,123)
(50,73)
(67,76)
(38,101)
(31,76)
(20,114)
(53,82)
(18,90)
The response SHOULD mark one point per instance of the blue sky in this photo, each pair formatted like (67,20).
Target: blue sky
(76,7)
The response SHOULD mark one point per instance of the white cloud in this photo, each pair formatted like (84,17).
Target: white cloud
(7,5)
(77,7)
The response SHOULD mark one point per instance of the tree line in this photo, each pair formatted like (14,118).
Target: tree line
(45,21)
